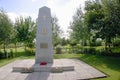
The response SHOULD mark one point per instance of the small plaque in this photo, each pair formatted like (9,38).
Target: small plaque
(43,31)
(43,45)
(44,17)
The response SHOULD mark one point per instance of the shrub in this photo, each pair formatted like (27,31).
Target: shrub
(58,49)
(77,48)
(73,43)
(31,45)
(11,54)
(89,50)
(29,52)
(116,43)
(96,43)
(2,55)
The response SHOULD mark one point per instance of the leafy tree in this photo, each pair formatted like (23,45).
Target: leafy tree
(79,30)
(103,20)
(64,41)
(112,20)
(6,29)
(14,38)
(56,31)
(93,19)
(26,30)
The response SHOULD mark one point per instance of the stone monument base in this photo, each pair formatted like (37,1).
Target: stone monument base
(82,71)
(50,67)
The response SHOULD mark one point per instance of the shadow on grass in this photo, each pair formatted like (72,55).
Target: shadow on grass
(102,61)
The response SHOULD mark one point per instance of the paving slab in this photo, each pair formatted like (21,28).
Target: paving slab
(81,71)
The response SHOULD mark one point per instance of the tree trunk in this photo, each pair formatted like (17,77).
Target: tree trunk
(4,47)
(25,47)
(105,46)
(15,47)
(109,48)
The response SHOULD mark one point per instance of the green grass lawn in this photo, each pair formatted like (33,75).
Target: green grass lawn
(19,49)
(108,65)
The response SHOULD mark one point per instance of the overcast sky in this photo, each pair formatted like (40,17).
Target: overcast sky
(63,9)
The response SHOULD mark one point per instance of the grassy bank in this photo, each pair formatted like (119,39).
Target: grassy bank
(108,65)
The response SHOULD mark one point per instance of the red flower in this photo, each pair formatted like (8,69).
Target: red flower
(43,63)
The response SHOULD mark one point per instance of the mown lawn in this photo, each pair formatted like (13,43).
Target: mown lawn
(108,65)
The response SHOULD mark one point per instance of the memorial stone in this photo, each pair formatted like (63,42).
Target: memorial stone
(44,37)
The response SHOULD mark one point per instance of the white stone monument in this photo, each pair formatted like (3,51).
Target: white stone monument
(44,48)
(44,36)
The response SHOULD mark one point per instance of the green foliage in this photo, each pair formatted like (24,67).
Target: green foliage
(5,27)
(58,49)
(29,52)
(1,55)
(79,31)
(64,41)
(93,18)
(31,45)
(103,20)
(56,31)
(6,54)
(89,50)
(30,49)
(73,43)
(116,50)
(116,42)
(96,43)
(77,28)
(26,30)
(6,30)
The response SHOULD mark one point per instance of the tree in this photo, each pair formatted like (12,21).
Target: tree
(26,30)
(79,31)
(14,39)
(103,19)
(93,18)
(112,20)
(6,29)
(64,41)
(56,31)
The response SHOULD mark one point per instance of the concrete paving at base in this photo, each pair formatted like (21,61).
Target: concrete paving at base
(82,71)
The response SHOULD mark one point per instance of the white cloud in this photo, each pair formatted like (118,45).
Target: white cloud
(33,15)
(64,10)
(13,15)
(34,0)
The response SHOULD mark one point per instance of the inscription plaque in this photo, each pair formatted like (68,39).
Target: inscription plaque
(44,17)
(43,31)
(43,45)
